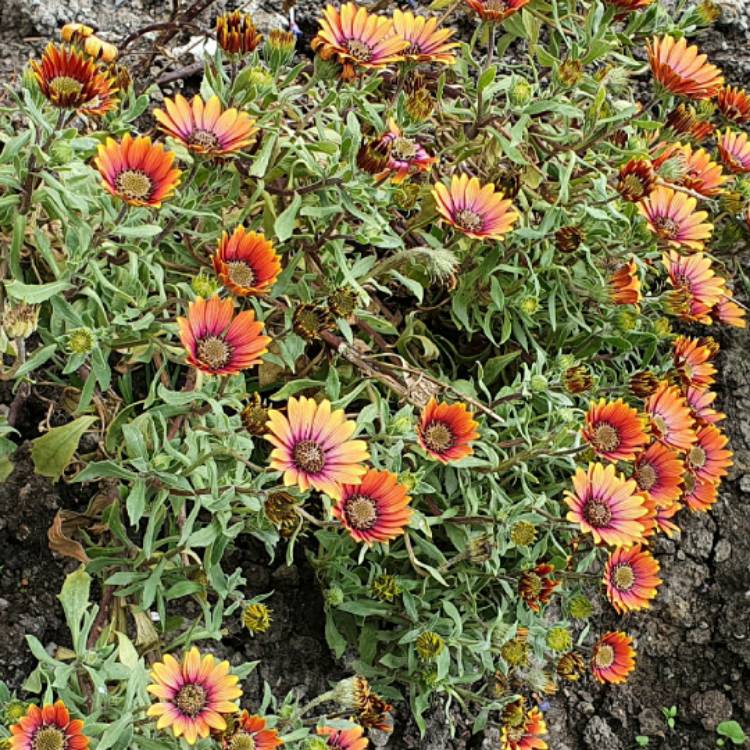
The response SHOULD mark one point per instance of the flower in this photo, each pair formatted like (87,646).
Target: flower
(614,430)
(692,360)
(445,431)
(193,694)
(344,739)
(375,510)
(684,120)
(669,417)
(681,70)
(527,735)
(313,447)
(249,733)
(137,171)
(697,170)
(246,263)
(537,585)
(728,312)
(613,658)
(672,217)
(694,276)
(708,459)
(643,383)
(357,38)
(699,400)
(636,179)
(624,284)
(631,579)
(219,342)
(628,6)
(658,473)
(426,43)
(734,104)
(405,155)
(606,505)
(734,150)
(699,496)
(496,11)
(236,33)
(256,618)
(48,728)
(205,127)
(477,211)
(69,80)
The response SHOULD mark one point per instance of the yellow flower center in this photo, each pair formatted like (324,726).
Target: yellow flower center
(204,139)
(597,513)
(48,738)
(645,477)
(469,220)
(438,436)
(403,149)
(214,351)
(191,700)
(623,577)
(309,457)
(134,184)
(241,273)
(65,86)
(604,656)
(361,512)
(632,186)
(697,457)
(605,437)
(667,227)
(359,50)
(499,6)
(532,584)
(242,741)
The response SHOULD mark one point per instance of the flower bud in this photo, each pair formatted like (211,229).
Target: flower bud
(571,666)
(429,646)
(334,596)
(256,618)
(419,104)
(236,33)
(568,239)
(643,384)
(204,285)
(279,48)
(254,417)
(520,93)
(523,534)
(579,607)
(385,588)
(570,72)
(559,639)
(538,383)
(81,341)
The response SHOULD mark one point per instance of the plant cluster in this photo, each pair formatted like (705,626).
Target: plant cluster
(434,311)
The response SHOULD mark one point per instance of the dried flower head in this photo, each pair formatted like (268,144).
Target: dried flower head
(254,416)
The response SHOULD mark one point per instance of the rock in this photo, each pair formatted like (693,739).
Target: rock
(722,551)
(598,734)
(711,707)
(651,721)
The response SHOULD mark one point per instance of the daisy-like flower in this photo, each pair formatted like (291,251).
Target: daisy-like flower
(405,155)
(250,733)
(206,127)
(476,210)
(193,695)
(344,739)
(734,149)
(658,472)
(427,43)
(699,496)
(246,263)
(445,431)
(236,33)
(313,446)
(700,401)
(48,728)
(614,430)
(670,418)
(496,11)
(681,70)
(613,658)
(527,735)
(217,341)
(636,179)
(664,516)
(728,312)
(537,585)
(137,171)
(631,578)
(709,460)
(692,359)
(698,172)
(625,285)
(734,104)
(672,217)
(70,80)
(694,276)
(606,505)
(357,38)
(376,510)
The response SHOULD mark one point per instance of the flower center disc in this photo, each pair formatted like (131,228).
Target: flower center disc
(697,457)
(65,86)
(469,220)
(645,477)
(133,184)
(359,50)
(597,513)
(604,656)
(48,738)
(309,456)
(660,424)
(204,139)
(241,273)
(438,436)
(667,227)
(361,512)
(623,577)
(533,584)
(191,700)
(214,351)
(499,6)
(606,437)
(242,741)
(403,149)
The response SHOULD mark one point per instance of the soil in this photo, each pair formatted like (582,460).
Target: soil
(693,645)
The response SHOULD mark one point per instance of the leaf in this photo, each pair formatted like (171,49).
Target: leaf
(284,225)
(74,598)
(33,294)
(733,731)
(64,545)
(126,651)
(53,451)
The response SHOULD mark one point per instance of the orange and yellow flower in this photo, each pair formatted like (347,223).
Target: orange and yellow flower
(206,127)
(658,472)
(236,33)
(426,42)
(672,217)
(313,446)
(217,341)
(670,418)
(251,732)
(445,431)
(193,695)
(613,658)
(376,510)
(728,312)
(699,496)
(48,727)
(476,210)
(137,171)
(734,104)
(636,180)
(70,80)
(537,585)
(734,150)
(606,505)
(496,11)
(246,263)
(528,735)
(700,401)
(344,739)
(700,173)
(692,360)
(709,460)
(625,285)
(405,155)
(631,578)
(614,430)
(681,70)
(694,276)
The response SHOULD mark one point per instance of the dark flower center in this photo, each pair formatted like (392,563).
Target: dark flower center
(597,513)
(667,227)
(438,437)
(361,512)
(645,476)
(403,149)
(48,738)
(623,577)
(469,220)
(605,437)
(309,457)
(65,86)
(499,6)
(633,186)
(359,50)
(532,584)
(242,741)
(604,656)
(134,184)
(204,139)
(241,273)
(214,351)
(697,457)
(191,700)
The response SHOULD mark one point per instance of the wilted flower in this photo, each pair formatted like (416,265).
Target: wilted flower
(577,379)
(308,321)
(256,618)
(684,120)
(681,70)
(385,587)
(570,71)
(254,416)
(405,155)
(20,320)
(571,666)
(568,239)
(280,509)
(636,179)
(419,104)
(523,533)
(236,33)
(537,585)
(613,658)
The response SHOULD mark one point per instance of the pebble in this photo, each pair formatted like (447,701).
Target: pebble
(722,551)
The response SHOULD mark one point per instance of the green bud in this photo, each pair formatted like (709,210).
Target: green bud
(538,383)
(559,639)
(334,596)
(429,646)
(81,341)
(204,285)
(520,92)
(580,607)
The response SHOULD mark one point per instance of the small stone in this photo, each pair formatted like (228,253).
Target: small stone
(711,707)
(722,551)
(598,734)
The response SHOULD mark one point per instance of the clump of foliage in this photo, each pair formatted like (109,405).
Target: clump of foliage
(415,304)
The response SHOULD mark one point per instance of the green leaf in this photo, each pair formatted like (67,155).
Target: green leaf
(142,231)
(74,598)
(284,224)
(34,294)
(53,451)
(733,731)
